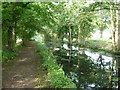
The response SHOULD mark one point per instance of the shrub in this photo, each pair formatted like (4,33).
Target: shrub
(8,55)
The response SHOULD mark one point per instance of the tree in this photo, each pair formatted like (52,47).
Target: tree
(118,44)
(11,15)
(113,24)
(119,28)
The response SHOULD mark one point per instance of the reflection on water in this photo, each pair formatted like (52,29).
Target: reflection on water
(90,69)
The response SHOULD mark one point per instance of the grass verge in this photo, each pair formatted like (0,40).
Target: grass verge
(56,74)
(101,45)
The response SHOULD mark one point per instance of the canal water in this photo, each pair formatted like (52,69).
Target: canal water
(89,69)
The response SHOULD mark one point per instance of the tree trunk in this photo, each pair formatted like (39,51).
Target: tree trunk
(113,24)
(81,40)
(11,30)
(70,41)
(15,37)
(118,75)
(24,41)
(110,76)
(119,46)
(119,36)
(119,29)
(101,33)
(79,34)
(10,39)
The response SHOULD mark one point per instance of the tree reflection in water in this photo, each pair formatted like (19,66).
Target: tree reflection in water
(89,72)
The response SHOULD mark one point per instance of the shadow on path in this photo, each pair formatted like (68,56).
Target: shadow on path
(24,73)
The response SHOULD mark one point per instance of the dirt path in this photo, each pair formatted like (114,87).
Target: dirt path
(24,73)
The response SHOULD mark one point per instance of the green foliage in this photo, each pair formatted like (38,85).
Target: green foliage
(55,72)
(59,80)
(11,55)
(8,55)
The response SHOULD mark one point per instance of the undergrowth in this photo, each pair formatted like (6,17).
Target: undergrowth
(56,74)
(6,55)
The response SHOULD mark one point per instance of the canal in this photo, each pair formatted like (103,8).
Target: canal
(89,69)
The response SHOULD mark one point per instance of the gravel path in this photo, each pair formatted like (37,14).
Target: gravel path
(24,73)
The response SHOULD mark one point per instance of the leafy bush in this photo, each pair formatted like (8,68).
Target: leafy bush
(55,72)
(8,55)
(11,55)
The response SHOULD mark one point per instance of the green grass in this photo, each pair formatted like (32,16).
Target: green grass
(100,45)
(100,40)
(56,74)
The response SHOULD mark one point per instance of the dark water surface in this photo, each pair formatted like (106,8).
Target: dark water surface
(90,69)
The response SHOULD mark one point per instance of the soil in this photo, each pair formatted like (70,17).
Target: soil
(24,71)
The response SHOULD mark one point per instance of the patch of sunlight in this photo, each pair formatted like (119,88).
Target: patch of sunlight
(106,34)
(56,49)
(92,55)
(74,48)
(39,37)
(65,39)
(68,54)
(37,87)
(95,57)
(20,81)
(18,40)
(65,46)
(29,81)
(17,75)
(55,3)
(36,79)
(92,85)
(23,59)
(40,83)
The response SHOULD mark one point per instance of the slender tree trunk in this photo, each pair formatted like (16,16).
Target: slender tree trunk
(116,59)
(79,34)
(81,40)
(119,37)
(24,41)
(118,74)
(110,77)
(118,71)
(101,33)
(10,38)
(14,34)
(15,37)
(113,24)
(70,41)
(61,39)
(119,46)
(119,29)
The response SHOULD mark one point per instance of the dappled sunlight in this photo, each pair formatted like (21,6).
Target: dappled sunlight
(24,82)
(41,82)
(24,59)
(30,47)
(71,44)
